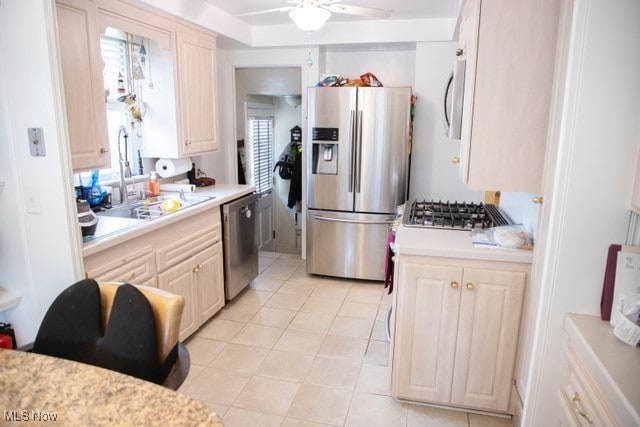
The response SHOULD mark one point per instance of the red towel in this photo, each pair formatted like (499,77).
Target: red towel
(606,301)
(388,266)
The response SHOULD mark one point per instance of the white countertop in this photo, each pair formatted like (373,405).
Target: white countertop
(114,230)
(613,365)
(451,244)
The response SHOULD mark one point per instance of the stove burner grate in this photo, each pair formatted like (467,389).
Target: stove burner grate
(459,216)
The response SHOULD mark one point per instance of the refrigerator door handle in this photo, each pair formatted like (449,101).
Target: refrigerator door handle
(352,140)
(359,158)
(324,218)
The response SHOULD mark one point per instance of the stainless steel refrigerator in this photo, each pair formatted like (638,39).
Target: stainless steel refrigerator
(357,174)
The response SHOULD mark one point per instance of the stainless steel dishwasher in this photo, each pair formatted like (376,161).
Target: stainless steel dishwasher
(239,241)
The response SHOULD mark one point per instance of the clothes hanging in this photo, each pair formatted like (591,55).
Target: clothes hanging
(295,188)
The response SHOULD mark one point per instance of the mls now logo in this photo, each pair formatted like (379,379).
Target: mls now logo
(24,415)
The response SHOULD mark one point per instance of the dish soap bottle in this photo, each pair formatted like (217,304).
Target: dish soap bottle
(95,193)
(154,186)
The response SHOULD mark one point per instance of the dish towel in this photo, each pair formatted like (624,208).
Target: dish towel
(388,265)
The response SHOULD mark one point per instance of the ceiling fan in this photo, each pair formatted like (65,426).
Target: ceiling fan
(310,15)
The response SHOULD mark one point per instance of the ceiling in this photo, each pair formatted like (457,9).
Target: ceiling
(402,9)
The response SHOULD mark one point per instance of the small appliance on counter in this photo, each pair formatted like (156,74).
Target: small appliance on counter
(87,219)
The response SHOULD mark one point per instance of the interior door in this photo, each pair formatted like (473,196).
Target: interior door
(265,223)
(260,161)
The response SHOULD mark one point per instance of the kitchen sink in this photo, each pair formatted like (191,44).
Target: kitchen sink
(154,207)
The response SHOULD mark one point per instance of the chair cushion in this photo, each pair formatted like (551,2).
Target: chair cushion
(71,329)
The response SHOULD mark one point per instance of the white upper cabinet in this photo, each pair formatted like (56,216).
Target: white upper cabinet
(83,90)
(180,107)
(510,50)
(196,79)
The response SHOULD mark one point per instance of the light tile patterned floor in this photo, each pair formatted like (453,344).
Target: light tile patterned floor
(297,350)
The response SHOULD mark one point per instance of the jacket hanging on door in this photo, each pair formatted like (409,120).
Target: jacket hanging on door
(289,166)
(295,188)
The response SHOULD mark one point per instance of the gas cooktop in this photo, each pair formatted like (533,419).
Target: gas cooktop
(455,216)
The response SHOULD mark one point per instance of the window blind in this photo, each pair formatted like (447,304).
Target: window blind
(114,55)
(260,141)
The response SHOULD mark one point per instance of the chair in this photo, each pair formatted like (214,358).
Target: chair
(118,326)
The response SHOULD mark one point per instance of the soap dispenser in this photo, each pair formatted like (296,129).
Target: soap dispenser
(154,186)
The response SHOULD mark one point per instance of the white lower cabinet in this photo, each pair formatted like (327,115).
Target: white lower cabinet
(456,331)
(184,258)
(196,279)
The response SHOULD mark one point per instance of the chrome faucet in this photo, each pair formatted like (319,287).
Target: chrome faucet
(125,169)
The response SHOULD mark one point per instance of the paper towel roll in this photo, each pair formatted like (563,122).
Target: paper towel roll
(172,167)
(187,188)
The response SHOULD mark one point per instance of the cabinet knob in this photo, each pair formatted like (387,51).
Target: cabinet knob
(187,143)
(455,160)
(197,268)
(537,200)
(104,150)
(459,52)
(454,284)
(470,286)
(579,411)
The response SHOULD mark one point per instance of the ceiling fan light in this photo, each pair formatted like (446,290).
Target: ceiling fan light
(309,18)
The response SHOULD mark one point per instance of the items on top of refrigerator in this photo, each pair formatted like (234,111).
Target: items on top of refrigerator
(336,80)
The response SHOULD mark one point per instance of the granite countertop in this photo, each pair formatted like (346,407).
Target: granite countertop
(452,244)
(40,388)
(113,230)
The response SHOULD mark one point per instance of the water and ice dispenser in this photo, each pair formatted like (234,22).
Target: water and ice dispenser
(325,151)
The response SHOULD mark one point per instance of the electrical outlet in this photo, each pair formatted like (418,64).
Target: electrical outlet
(36,142)
(32,200)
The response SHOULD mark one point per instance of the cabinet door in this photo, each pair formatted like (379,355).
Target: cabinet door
(210,281)
(180,280)
(198,124)
(487,337)
(83,84)
(427,307)
(510,85)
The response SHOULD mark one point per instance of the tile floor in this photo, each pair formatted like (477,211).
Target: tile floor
(298,350)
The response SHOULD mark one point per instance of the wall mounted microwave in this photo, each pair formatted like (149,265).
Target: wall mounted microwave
(454,100)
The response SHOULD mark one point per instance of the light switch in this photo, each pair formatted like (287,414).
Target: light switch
(36,142)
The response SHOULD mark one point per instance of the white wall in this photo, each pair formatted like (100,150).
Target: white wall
(590,192)
(39,252)
(391,67)
(433,175)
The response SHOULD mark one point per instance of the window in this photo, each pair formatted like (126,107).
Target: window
(114,56)
(260,149)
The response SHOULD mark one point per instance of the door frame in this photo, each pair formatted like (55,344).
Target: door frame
(275,58)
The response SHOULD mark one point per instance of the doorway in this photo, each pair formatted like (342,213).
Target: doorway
(267,109)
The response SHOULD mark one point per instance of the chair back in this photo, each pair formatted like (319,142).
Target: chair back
(167,312)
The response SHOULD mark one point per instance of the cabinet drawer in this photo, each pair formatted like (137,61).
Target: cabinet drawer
(104,265)
(139,271)
(583,398)
(187,246)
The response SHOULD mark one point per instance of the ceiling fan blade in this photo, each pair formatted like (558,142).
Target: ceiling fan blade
(260,12)
(369,12)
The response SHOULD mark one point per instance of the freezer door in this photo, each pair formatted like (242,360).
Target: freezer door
(382,147)
(329,149)
(347,244)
